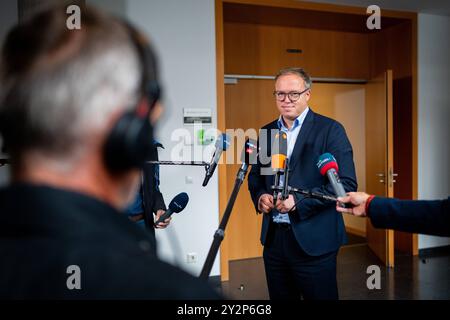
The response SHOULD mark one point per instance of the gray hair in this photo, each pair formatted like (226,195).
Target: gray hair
(63,87)
(298,72)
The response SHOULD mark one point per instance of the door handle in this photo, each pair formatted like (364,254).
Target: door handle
(393,175)
(381,176)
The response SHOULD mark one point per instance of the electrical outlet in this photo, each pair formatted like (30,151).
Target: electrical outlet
(191,257)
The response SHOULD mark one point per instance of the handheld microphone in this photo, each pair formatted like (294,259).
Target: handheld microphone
(279,154)
(327,164)
(176,205)
(222,143)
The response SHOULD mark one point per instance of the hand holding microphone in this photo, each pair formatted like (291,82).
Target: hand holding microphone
(162,224)
(176,205)
(359,202)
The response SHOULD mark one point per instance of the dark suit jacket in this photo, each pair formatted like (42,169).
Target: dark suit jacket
(317,226)
(429,217)
(45,230)
(152,197)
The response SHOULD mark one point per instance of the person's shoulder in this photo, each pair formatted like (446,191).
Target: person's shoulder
(270,125)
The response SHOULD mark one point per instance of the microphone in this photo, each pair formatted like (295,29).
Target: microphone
(249,154)
(176,205)
(327,164)
(222,143)
(279,154)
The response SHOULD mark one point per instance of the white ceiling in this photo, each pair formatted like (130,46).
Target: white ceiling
(439,7)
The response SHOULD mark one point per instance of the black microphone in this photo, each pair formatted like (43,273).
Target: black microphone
(176,205)
(222,143)
(279,154)
(327,164)
(249,154)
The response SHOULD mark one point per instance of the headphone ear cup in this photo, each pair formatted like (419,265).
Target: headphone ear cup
(130,143)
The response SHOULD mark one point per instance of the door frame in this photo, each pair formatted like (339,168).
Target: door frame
(220,89)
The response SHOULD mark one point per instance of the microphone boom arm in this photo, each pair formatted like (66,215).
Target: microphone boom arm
(308,193)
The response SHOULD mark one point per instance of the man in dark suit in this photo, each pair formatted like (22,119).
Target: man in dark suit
(301,236)
(416,216)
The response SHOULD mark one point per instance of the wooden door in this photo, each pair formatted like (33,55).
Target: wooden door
(379,158)
(249,106)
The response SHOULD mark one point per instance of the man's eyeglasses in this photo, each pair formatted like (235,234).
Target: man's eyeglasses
(292,95)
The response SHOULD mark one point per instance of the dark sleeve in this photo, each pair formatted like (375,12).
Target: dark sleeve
(153,199)
(422,216)
(256,183)
(339,146)
(158,202)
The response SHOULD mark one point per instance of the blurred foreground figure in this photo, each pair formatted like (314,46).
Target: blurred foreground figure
(74,115)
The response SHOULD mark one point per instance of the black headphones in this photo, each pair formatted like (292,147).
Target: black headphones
(130,143)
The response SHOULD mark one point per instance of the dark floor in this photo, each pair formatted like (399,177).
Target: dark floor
(412,277)
(354,239)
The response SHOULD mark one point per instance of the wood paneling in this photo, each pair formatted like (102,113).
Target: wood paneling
(262,50)
(327,7)
(249,105)
(390,48)
(339,101)
(302,18)
(379,158)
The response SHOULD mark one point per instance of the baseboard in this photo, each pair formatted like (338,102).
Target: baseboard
(436,251)
(356,232)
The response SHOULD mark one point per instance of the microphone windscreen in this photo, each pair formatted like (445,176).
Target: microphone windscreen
(179,202)
(326,162)
(279,151)
(250,152)
(223,142)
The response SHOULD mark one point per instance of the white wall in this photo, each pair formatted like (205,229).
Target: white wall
(183,33)
(433,113)
(115,7)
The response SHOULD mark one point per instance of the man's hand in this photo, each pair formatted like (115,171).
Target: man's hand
(286,205)
(164,223)
(358,199)
(265,203)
